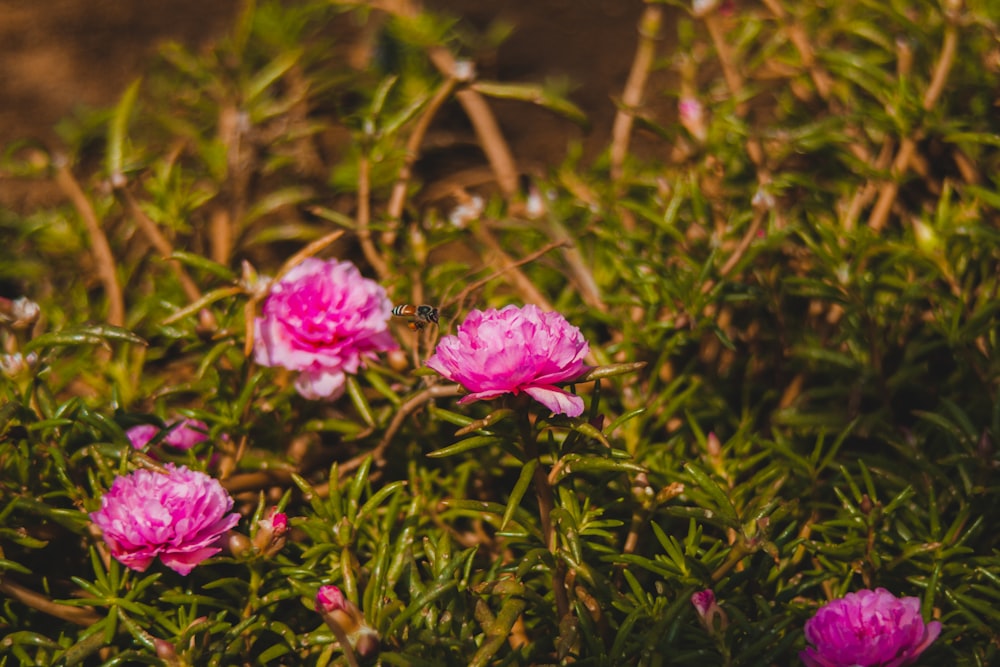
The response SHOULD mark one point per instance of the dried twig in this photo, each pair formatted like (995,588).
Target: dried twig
(364,219)
(404,411)
(521,282)
(483,121)
(158,240)
(472,287)
(103,257)
(649,33)
(907,148)
(80,615)
(397,199)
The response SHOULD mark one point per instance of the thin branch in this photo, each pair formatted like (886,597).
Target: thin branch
(163,246)
(729,70)
(472,287)
(84,616)
(797,34)
(483,121)
(103,257)
(405,410)
(889,191)
(521,282)
(364,219)
(397,199)
(635,85)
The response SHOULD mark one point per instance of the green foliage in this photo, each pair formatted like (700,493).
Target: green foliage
(798,290)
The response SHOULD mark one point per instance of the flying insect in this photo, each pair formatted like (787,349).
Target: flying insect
(418,317)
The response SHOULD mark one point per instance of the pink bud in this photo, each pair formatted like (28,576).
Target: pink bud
(271,530)
(330,599)
(711,615)
(692,117)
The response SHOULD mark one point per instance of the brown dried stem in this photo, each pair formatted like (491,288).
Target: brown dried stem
(483,121)
(635,85)
(796,33)
(364,219)
(84,616)
(161,244)
(734,81)
(397,199)
(907,148)
(521,282)
(103,257)
(472,287)
(405,410)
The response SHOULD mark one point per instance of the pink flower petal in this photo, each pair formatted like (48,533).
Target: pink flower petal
(557,400)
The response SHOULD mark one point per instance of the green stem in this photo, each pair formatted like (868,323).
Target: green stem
(546,502)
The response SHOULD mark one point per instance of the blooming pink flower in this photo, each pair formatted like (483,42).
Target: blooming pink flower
(515,350)
(323,319)
(178,516)
(184,434)
(868,629)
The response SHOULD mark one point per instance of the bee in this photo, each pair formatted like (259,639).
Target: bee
(419,316)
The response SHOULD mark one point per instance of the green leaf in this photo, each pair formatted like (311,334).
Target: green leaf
(534,93)
(465,445)
(92,334)
(517,493)
(119,128)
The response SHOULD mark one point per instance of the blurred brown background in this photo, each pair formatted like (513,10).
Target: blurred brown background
(57,54)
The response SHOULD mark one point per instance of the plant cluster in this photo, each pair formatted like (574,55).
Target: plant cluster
(273,393)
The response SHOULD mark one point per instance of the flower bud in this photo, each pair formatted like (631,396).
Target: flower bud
(271,532)
(22,313)
(13,365)
(711,615)
(165,651)
(692,117)
(347,622)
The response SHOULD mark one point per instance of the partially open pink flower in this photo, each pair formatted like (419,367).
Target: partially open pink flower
(184,434)
(515,350)
(868,629)
(323,319)
(178,516)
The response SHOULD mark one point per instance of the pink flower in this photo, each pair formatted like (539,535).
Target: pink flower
(515,350)
(178,516)
(184,434)
(323,319)
(868,629)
